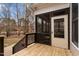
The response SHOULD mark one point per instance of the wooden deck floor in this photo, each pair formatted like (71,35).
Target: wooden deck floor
(43,50)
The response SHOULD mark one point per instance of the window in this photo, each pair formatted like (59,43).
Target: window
(59,28)
(39,24)
(42,25)
(75,23)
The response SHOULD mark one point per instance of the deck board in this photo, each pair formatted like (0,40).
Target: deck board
(43,50)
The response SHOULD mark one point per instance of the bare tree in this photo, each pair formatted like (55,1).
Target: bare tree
(6,15)
(17,13)
(17,17)
(30,17)
(26,20)
(26,16)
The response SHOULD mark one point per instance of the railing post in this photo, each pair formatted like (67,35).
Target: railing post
(26,40)
(13,51)
(1,46)
(35,37)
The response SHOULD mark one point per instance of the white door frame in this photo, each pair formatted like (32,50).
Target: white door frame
(61,41)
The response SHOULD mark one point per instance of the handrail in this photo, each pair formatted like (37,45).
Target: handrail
(24,42)
(21,43)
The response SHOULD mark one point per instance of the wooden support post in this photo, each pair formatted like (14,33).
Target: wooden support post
(1,46)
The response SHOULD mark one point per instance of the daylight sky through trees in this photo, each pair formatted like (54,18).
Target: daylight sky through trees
(13,10)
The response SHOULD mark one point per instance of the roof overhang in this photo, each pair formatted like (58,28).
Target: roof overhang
(37,6)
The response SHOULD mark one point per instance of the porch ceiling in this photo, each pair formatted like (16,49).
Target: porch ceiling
(44,5)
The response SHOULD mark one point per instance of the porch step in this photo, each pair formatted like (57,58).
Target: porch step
(43,50)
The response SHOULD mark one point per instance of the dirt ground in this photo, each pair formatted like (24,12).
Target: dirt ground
(12,40)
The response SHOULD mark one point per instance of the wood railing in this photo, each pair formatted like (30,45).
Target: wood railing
(43,38)
(24,42)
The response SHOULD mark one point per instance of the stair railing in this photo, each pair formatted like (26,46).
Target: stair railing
(24,42)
